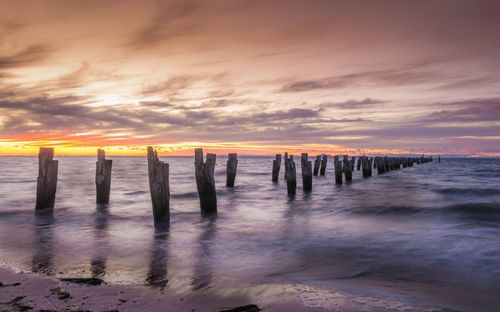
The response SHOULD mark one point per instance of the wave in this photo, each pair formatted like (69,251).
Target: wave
(470,209)
(469,191)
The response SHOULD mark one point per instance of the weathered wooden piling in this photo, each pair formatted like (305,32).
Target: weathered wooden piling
(324,160)
(46,182)
(347,168)
(159,188)
(102,177)
(286,161)
(439,158)
(306,172)
(291,176)
(205,181)
(360,160)
(353,163)
(276,168)
(337,165)
(317,164)
(232,164)
(366,167)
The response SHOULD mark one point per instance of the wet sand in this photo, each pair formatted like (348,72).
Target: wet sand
(29,292)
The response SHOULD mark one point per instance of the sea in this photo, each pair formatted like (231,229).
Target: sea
(427,235)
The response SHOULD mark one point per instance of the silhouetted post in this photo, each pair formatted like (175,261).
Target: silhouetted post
(353,163)
(317,164)
(439,158)
(232,163)
(291,176)
(205,181)
(286,160)
(159,188)
(306,172)
(46,182)
(102,177)
(276,168)
(322,171)
(337,165)
(347,168)
(365,167)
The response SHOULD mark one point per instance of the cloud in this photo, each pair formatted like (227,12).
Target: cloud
(474,110)
(29,56)
(353,104)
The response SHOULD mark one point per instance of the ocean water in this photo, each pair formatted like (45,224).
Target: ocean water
(425,234)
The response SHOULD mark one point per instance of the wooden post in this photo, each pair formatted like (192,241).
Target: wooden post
(291,176)
(337,165)
(322,171)
(439,158)
(347,168)
(205,181)
(306,172)
(46,182)
(102,177)
(286,160)
(276,168)
(317,164)
(232,163)
(365,167)
(353,163)
(159,188)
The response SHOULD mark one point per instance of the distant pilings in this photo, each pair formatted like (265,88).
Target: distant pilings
(324,161)
(102,177)
(306,172)
(232,164)
(317,164)
(205,181)
(337,165)
(159,188)
(347,168)
(291,176)
(46,182)
(276,168)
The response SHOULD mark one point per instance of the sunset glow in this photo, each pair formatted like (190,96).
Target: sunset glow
(254,77)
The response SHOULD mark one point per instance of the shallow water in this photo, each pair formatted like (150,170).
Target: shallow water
(427,229)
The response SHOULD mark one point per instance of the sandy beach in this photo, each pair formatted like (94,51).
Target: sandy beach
(23,291)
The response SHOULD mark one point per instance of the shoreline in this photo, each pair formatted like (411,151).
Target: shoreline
(30,292)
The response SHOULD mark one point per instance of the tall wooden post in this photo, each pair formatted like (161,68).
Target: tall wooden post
(366,167)
(439,158)
(347,170)
(46,182)
(317,164)
(324,160)
(102,177)
(205,181)
(306,172)
(159,188)
(353,163)
(286,161)
(337,165)
(360,160)
(232,163)
(276,168)
(291,176)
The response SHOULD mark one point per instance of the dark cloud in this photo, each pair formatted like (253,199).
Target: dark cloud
(29,56)
(353,104)
(474,110)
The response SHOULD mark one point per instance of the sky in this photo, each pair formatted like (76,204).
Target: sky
(253,77)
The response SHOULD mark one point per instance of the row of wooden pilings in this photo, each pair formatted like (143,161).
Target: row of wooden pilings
(158,173)
(342,168)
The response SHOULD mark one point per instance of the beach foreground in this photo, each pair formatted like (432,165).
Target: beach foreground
(23,291)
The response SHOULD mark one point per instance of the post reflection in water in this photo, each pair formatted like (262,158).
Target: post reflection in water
(99,257)
(157,275)
(43,258)
(202,274)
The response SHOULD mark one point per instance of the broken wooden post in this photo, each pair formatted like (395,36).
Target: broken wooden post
(317,164)
(323,165)
(337,165)
(205,181)
(159,188)
(46,182)
(102,177)
(286,160)
(232,163)
(276,168)
(347,168)
(291,176)
(306,172)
